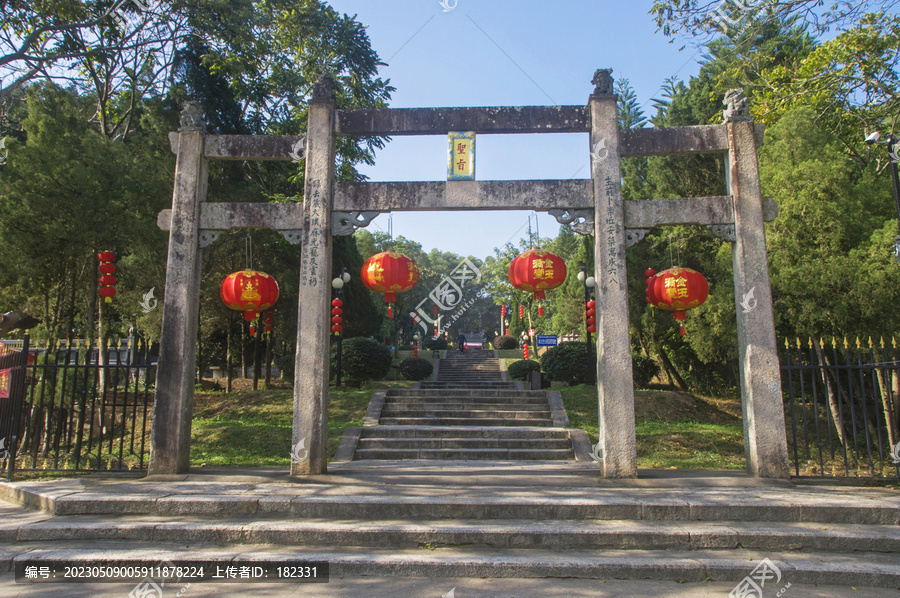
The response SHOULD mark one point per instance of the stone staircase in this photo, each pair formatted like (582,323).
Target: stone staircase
(479,520)
(469,413)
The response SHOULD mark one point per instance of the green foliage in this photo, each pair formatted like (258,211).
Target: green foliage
(436,344)
(519,370)
(505,342)
(644,369)
(363,359)
(413,368)
(572,363)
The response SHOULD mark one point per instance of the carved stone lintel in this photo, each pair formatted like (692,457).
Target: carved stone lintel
(291,236)
(603,82)
(192,117)
(581,221)
(723,231)
(737,108)
(633,236)
(323,90)
(344,223)
(208,237)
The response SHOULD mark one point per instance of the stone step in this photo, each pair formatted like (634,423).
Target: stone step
(450,395)
(402,406)
(464,454)
(469,402)
(374,442)
(463,421)
(465,385)
(475,392)
(503,432)
(861,570)
(497,533)
(426,411)
(439,490)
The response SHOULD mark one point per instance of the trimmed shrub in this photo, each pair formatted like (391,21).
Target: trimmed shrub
(362,360)
(644,368)
(413,368)
(572,363)
(505,342)
(519,370)
(436,344)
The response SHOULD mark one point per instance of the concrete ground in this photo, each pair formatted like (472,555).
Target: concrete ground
(406,587)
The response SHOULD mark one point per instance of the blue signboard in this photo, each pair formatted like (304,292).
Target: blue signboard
(547,340)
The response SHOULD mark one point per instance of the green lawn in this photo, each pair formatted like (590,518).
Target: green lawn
(665,444)
(254,428)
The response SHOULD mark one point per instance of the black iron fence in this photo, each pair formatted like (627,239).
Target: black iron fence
(77,408)
(842,405)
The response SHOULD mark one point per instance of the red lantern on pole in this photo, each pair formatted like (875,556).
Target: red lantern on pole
(537,271)
(108,281)
(677,290)
(249,291)
(525,349)
(390,273)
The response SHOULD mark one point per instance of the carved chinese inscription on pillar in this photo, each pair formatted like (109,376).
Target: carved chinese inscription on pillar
(308,266)
(613,247)
(461,164)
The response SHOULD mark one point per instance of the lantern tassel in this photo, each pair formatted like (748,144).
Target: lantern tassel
(682,331)
(390,312)
(540,310)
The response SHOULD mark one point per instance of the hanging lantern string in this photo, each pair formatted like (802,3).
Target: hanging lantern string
(671,259)
(248,252)
(678,246)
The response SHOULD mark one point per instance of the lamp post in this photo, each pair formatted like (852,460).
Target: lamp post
(588,282)
(338,285)
(891,142)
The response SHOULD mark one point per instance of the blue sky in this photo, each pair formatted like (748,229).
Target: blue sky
(504,53)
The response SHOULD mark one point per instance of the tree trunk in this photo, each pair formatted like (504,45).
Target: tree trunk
(833,405)
(671,372)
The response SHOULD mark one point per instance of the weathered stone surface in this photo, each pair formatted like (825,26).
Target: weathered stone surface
(765,435)
(614,376)
(463,195)
(423,121)
(285,148)
(225,216)
(673,141)
(170,437)
(310,422)
(646,214)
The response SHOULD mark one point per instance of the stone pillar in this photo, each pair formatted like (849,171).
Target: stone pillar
(765,435)
(309,452)
(170,437)
(614,378)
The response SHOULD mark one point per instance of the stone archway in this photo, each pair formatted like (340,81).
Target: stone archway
(594,205)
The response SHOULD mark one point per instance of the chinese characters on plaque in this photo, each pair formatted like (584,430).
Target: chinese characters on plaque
(461,156)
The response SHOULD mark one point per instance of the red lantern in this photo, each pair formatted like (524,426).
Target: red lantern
(537,271)
(503,312)
(336,303)
(677,290)
(249,291)
(107,280)
(390,273)
(521,311)
(525,349)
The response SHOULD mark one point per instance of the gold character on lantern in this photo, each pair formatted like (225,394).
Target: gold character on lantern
(249,291)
